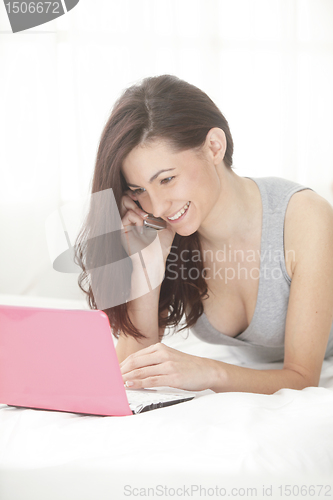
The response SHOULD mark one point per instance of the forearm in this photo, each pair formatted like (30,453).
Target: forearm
(231,378)
(143,313)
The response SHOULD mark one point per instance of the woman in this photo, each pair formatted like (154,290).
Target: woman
(248,262)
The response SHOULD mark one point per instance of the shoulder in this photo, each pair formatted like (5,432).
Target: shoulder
(307,207)
(308,224)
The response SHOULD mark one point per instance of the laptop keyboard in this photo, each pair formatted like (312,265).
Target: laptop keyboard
(141,400)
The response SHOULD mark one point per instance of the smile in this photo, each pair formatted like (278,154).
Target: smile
(180,213)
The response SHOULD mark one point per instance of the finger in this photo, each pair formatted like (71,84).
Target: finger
(132,358)
(147,371)
(127,203)
(152,359)
(154,381)
(132,218)
(129,222)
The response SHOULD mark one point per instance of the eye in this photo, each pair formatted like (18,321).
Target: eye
(138,191)
(141,190)
(167,179)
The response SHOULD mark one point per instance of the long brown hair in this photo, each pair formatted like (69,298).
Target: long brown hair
(167,108)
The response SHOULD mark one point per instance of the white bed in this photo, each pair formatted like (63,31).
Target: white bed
(224,444)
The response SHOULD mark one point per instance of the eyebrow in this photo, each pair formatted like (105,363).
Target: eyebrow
(152,178)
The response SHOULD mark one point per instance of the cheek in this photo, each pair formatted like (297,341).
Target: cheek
(201,186)
(145,203)
(203,175)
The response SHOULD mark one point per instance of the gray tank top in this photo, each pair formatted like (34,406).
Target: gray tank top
(263,339)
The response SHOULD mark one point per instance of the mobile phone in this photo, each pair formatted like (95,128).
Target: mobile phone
(154,222)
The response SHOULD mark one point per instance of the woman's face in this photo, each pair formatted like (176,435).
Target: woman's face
(165,183)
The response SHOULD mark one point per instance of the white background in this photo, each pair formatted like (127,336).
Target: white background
(268,65)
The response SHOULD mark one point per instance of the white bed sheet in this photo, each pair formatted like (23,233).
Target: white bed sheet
(223,441)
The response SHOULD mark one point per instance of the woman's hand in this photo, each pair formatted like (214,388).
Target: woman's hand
(159,365)
(136,236)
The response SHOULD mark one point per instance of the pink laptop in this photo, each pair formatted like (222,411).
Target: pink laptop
(65,360)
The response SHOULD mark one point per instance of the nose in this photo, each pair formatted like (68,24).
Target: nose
(159,206)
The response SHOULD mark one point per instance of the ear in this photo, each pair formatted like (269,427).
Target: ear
(216,144)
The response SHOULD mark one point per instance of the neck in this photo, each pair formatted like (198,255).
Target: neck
(235,215)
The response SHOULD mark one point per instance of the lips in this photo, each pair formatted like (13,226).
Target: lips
(180,213)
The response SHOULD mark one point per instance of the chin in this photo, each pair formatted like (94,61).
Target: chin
(186,231)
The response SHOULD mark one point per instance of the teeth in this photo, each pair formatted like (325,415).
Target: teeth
(178,214)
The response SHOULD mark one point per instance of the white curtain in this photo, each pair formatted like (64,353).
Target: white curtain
(268,65)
